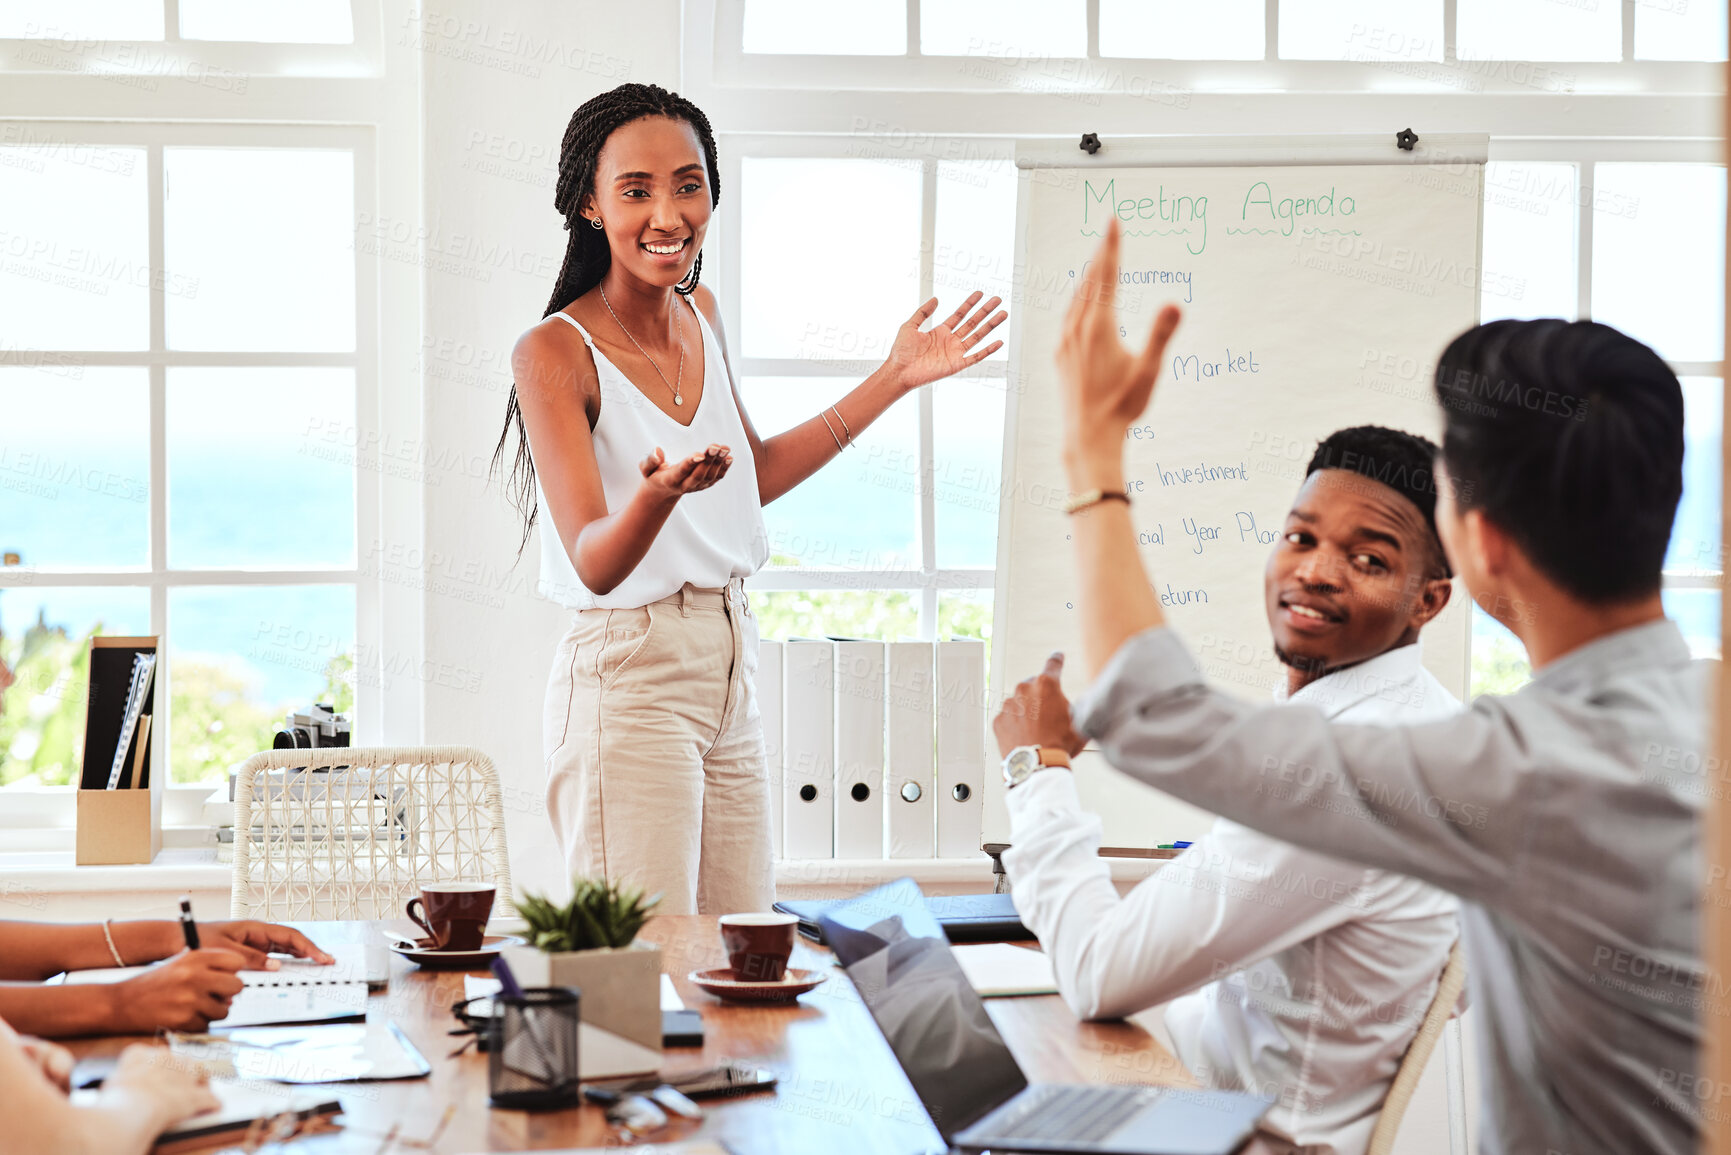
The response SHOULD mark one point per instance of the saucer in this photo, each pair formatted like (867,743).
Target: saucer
(455,960)
(719,981)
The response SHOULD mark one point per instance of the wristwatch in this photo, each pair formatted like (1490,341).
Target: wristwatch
(1020,763)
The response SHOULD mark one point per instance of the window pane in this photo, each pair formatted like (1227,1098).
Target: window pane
(1696,613)
(81,19)
(1680,30)
(1659,256)
(1183,30)
(240,658)
(851,27)
(74,245)
(1018,28)
(1361,29)
(1538,30)
(302,22)
(45,641)
(1695,538)
(75,465)
(874,279)
(264,239)
(261,467)
(976,237)
(861,511)
(880,615)
(966,614)
(1499,660)
(1529,236)
(968,447)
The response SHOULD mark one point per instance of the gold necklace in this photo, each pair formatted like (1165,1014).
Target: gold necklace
(679,377)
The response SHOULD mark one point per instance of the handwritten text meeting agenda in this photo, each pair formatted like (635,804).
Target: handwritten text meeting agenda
(1187,216)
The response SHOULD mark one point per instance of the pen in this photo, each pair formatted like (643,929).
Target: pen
(507,981)
(187,926)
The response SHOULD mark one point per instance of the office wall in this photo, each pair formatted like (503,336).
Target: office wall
(499,84)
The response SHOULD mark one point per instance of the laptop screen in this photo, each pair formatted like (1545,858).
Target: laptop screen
(900,962)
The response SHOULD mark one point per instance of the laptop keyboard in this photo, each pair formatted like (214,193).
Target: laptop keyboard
(1085,1114)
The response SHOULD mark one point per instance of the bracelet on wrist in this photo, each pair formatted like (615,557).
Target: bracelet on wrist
(1093,497)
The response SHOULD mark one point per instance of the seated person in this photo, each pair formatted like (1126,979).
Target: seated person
(187,993)
(141,1097)
(1303,977)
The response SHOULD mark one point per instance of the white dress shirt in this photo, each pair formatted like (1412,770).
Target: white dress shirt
(1314,974)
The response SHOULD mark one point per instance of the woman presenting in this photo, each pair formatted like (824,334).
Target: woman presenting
(631,433)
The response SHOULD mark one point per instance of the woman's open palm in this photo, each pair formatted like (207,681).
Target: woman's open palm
(921,356)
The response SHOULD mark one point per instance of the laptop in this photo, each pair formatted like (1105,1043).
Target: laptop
(964,917)
(964,1074)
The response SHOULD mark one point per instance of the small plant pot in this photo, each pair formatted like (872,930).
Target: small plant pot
(620,1030)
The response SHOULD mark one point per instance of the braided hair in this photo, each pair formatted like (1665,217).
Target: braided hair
(587,256)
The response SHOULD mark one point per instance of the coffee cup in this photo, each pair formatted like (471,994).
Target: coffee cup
(454,914)
(758,945)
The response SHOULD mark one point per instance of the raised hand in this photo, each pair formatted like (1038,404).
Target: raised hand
(1106,386)
(186,993)
(921,356)
(674,479)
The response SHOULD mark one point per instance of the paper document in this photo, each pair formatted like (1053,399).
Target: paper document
(1000,970)
(329,1053)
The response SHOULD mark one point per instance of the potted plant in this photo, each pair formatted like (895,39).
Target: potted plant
(590,943)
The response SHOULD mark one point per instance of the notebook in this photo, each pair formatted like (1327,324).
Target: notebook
(301,992)
(999,970)
(964,917)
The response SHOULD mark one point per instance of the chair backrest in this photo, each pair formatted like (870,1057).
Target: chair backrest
(351,832)
(1448,994)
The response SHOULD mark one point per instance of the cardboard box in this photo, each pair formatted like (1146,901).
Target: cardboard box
(123,825)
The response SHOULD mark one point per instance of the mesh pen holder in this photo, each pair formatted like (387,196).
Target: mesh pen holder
(532,1049)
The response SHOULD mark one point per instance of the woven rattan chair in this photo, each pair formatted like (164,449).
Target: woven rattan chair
(1448,993)
(350,833)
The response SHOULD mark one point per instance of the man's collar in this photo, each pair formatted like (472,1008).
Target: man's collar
(1655,643)
(1334,692)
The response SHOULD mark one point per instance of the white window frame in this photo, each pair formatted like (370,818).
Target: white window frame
(213,65)
(378,120)
(926,109)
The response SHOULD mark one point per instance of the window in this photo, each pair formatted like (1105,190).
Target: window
(186,451)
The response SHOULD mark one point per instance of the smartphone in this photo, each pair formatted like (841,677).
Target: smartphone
(681,1028)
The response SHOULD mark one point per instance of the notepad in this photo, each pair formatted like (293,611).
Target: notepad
(301,992)
(999,970)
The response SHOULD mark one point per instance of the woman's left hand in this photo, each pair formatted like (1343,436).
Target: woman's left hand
(921,356)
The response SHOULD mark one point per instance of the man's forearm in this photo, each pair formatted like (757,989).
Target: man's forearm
(1117,597)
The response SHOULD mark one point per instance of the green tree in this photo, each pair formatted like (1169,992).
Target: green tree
(216,720)
(1499,665)
(42,714)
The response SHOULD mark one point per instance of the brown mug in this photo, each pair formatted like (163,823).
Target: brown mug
(758,945)
(455,913)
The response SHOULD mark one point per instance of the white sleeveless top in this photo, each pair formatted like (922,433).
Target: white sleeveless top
(711,536)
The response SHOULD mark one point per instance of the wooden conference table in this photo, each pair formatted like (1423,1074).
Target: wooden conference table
(840,1090)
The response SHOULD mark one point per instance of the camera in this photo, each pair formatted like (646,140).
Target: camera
(317,729)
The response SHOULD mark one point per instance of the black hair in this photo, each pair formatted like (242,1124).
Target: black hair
(1568,435)
(587,257)
(1405,462)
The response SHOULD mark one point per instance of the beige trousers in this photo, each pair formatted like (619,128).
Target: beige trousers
(656,774)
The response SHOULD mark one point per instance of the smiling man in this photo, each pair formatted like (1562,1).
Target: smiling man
(1303,977)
